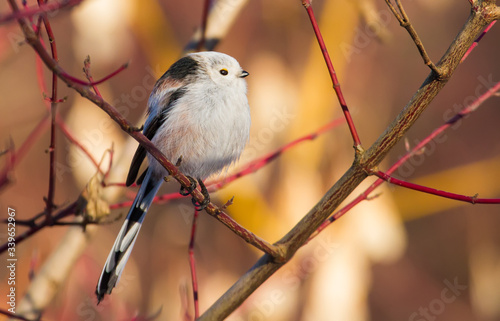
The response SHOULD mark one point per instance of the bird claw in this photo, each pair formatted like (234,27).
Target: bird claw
(206,198)
(185,191)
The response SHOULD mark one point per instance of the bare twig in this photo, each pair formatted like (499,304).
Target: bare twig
(16,156)
(192,265)
(220,18)
(429,190)
(49,201)
(333,76)
(404,21)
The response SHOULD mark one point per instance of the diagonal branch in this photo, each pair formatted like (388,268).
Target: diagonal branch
(359,170)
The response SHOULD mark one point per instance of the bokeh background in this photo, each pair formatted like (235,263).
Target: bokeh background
(400,256)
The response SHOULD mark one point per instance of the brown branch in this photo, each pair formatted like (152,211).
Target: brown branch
(404,21)
(359,170)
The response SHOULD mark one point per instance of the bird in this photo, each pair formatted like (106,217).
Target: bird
(199,117)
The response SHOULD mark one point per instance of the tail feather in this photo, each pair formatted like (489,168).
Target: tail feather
(127,236)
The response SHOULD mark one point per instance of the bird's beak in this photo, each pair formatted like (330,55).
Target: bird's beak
(244,74)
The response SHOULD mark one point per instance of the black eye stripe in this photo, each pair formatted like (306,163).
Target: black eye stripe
(224,72)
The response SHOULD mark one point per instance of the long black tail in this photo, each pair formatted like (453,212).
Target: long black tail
(125,240)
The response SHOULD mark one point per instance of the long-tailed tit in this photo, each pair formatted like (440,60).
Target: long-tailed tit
(198,116)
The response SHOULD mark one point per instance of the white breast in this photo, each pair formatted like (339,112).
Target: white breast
(208,127)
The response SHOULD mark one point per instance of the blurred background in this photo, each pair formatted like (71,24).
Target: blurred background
(400,256)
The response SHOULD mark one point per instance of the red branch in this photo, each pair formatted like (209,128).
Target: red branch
(100,81)
(429,190)
(53,99)
(365,195)
(476,42)
(17,156)
(257,164)
(333,74)
(41,9)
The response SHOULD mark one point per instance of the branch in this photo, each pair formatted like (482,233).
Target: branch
(404,21)
(359,170)
(476,42)
(41,9)
(333,76)
(17,156)
(429,190)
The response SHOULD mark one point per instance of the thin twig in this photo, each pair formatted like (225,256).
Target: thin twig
(257,164)
(94,83)
(49,201)
(333,76)
(429,190)
(65,212)
(206,6)
(16,156)
(404,21)
(192,265)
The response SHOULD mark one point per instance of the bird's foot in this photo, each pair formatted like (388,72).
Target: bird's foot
(185,191)
(206,197)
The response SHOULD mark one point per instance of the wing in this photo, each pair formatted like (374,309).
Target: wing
(166,92)
(155,121)
(140,153)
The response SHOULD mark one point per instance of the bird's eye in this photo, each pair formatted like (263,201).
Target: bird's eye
(224,72)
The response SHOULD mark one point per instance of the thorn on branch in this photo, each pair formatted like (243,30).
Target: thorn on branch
(227,204)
